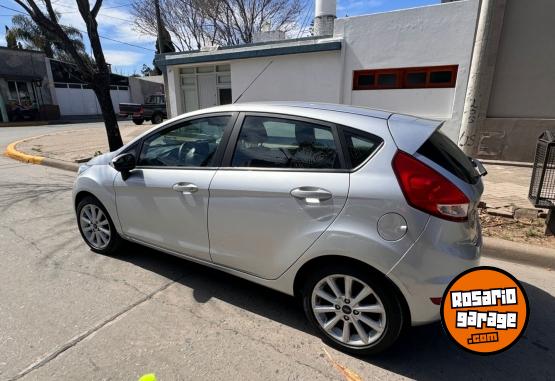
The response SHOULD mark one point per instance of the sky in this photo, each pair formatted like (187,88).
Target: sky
(131,50)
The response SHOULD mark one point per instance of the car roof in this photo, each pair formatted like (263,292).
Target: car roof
(408,132)
(297,108)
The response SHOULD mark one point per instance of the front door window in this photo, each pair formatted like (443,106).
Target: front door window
(191,144)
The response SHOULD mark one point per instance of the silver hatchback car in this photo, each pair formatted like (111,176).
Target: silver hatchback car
(363,215)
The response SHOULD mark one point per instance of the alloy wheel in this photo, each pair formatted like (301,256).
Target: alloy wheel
(348,310)
(95,226)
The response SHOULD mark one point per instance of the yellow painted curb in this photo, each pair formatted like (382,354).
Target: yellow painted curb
(12,152)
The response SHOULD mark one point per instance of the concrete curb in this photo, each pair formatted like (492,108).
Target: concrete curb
(518,252)
(508,163)
(12,152)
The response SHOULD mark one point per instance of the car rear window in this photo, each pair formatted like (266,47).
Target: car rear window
(444,152)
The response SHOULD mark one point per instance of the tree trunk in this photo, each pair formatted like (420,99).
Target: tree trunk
(109,115)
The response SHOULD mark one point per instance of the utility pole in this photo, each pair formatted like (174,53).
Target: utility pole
(159,26)
(482,69)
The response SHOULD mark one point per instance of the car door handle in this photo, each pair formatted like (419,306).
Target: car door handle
(185,188)
(311,195)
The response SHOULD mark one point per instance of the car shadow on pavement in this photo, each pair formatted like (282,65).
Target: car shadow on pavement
(423,353)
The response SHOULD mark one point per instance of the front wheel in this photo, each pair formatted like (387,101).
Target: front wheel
(96,227)
(354,310)
(138,122)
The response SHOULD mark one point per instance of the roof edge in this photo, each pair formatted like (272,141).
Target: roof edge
(284,47)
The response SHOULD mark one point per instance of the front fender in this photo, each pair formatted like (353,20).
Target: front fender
(98,180)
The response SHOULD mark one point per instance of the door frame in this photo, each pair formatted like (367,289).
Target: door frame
(232,143)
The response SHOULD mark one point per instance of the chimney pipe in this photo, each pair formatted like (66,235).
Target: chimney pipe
(324,17)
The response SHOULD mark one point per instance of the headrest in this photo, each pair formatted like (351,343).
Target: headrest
(253,131)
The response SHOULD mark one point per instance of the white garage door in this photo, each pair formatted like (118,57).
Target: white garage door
(73,99)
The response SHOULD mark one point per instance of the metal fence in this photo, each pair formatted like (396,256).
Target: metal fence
(542,184)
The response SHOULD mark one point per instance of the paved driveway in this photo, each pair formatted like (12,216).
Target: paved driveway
(69,314)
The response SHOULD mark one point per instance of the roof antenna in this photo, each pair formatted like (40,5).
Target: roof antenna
(254,80)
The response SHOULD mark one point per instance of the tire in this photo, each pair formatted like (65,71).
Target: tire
(138,122)
(88,210)
(387,318)
(157,118)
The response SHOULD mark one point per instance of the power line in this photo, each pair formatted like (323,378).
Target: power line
(305,19)
(101,9)
(64,13)
(84,31)
(11,9)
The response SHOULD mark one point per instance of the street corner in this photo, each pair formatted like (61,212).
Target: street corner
(12,152)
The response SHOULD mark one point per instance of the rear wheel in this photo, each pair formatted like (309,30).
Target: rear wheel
(96,227)
(355,310)
(138,122)
(157,118)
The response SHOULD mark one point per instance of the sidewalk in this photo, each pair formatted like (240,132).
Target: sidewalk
(506,187)
(78,145)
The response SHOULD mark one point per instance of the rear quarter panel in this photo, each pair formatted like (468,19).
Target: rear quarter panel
(373,192)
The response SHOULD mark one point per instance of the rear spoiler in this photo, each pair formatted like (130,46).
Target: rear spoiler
(410,132)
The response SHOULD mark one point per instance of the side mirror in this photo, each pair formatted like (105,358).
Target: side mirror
(124,163)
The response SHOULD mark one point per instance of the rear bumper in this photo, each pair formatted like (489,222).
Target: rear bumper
(443,251)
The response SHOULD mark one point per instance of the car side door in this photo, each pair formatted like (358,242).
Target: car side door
(282,183)
(164,201)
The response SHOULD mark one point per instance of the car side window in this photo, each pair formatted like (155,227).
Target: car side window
(191,144)
(360,146)
(268,142)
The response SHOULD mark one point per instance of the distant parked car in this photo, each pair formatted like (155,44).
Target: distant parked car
(154,109)
(20,113)
(365,216)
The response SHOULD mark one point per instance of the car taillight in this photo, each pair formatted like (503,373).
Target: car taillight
(427,190)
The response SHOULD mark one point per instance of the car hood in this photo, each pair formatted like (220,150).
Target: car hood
(103,159)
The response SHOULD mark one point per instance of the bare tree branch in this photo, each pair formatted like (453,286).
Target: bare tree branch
(197,23)
(96,8)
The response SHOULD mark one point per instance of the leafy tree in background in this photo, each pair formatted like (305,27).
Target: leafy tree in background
(94,70)
(25,30)
(11,40)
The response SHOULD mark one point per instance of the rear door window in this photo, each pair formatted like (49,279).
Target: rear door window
(268,142)
(445,153)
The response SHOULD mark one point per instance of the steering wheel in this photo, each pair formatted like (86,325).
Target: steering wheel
(182,152)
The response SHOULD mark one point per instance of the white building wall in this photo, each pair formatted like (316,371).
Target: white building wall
(425,36)
(311,77)
(524,79)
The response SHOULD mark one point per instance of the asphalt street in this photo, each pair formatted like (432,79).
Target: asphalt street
(69,314)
